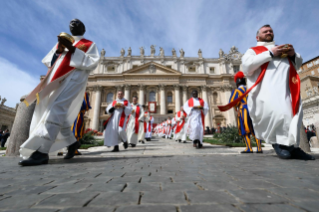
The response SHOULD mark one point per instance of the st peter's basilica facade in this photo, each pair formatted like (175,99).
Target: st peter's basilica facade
(163,82)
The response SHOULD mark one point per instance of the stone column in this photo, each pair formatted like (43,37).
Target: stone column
(141,99)
(127,92)
(177,98)
(205,98)
(184,94)
(96,107)
(21,128)
(163,100)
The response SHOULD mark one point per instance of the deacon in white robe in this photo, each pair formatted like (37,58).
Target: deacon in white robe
(168,126)
(196,110)
(115,132)
(55,113)
(135,125)
(149,127)
(180,130)
(270,102)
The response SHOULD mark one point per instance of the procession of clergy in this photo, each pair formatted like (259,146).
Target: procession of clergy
(269,108)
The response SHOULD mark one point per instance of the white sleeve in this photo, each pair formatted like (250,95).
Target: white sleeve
(141,118)
(109,107)
(48,58)
(186,108)
(206,108)
(85,61)
(251,62)
(128,109)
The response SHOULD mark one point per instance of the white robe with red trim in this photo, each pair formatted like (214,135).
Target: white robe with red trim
(195,122)
(115,134)
(149,127)
(269,103)
(180,123)
(53,117)
(132,136)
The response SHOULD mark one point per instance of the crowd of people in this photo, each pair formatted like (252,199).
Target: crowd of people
(271,110)
(4,135)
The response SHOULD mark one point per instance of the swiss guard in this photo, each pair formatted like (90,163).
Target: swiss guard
(78,125)
(245,127)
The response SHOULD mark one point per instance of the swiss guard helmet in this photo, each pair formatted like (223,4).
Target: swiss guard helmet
(239,79)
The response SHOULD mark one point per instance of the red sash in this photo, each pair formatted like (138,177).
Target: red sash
(149,124)
(201,102)
(145,126)
(122,119)
(137,115)
(294,84)
(180,124)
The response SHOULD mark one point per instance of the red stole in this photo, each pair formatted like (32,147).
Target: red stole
(122,119)
(65,67)
(137,115)
(180,123)
(294,84)
(201,102)
(149,124)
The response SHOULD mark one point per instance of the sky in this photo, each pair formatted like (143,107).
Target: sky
(29,30)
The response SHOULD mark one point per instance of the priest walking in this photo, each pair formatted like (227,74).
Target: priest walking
(180,130)
(275,105)
(149,126)
(115,126)
(135,123)
(59,96)
(196,110)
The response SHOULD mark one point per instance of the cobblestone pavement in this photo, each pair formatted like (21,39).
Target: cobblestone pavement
(210,179)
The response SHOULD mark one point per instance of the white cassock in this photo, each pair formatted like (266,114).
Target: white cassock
(149,127)
(131,131)
(115,129)
(168,130)
(195,121)
(141,135)
(53,117)
(180,130)
(269,103)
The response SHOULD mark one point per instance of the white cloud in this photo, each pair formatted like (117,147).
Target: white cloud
(15,82)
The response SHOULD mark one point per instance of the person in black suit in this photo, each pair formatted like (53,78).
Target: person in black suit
(4,137)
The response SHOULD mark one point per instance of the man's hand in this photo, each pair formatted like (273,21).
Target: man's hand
(291,52)
(67,44)
(277,50)
(60,49)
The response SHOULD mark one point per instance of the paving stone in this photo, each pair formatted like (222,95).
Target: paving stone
(89,209)
(209,208)
(163,197)
(296,194)
(268,208)
(105,187)
(29,190)
(218,185)
(32,210)
(157,179)
(17,202)
(147,208)
(210,197)
(186,186)
(133,179)
(61,201)
(68,188)
(143,187)
(256,196)
(308,205)
(115,199)
(254,184)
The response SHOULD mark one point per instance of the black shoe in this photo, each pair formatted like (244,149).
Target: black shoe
(60,153)
(195,143)
(199,146)
(116,149)
(299,154)
(125,144)
(71,150)
(133,145)
(184,142)
(259,152)
(283,152)
(143,142)
(37,158)
(243,152)
(77,152)
(179,140)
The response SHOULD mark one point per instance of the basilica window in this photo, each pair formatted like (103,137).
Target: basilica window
(236,69)
(191,69)
(169,66)
(312,73)
(109,98)
(135,66)
(110,68)
(169,97)
(309,65)
(152,96)
(212,70)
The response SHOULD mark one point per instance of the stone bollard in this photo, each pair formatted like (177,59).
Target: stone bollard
(21,127)
(304,144)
